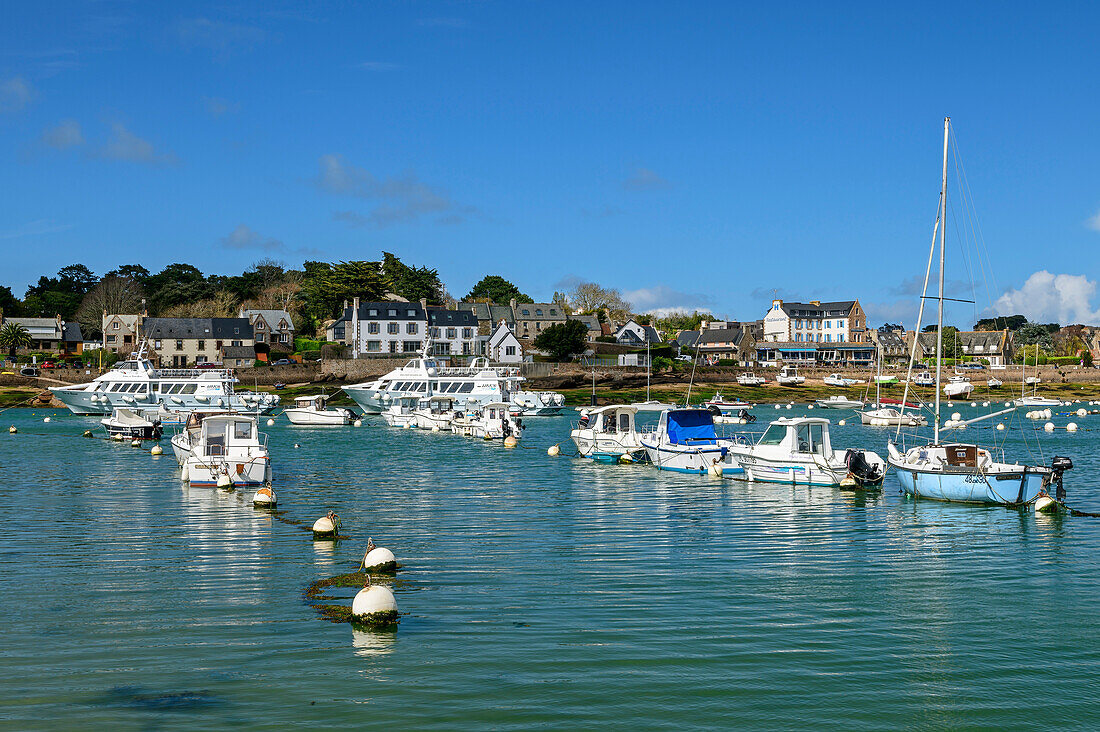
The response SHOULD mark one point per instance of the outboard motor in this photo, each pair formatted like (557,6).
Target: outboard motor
(714,410)
(1058,466)
(746,415)
(860,469)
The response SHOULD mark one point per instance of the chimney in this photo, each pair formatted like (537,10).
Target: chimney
(512,303)
(815,302)
(354,328)
(424,304)
(144,310)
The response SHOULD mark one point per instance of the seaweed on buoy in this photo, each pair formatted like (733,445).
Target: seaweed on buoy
(378,559)
(327,607)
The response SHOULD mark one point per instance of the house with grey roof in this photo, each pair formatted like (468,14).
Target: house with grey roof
(489,315)
(183,342)
(632,333)
(274,327)
(454,332)
(534,317)
(591,323)
(51,334)
(725,340)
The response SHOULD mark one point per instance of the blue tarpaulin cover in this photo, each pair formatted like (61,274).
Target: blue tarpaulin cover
(691,427)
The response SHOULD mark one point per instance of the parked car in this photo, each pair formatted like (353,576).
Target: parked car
(49,365)
(683,357)
(282,362)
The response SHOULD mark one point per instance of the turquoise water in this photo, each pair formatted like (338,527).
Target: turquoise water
(539,592)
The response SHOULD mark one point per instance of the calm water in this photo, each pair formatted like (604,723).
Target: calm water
(540,592)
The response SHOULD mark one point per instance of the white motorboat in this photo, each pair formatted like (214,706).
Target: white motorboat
(434,413)
(223,446)
(958,386)
(788,376)
(841,381)
(537,403)
(401,412)
(492,421)
(312,411)
(607,433)
(799,451)
(839,402)
(136,383)
(650,405)
(926,379)
(685,441)
(748,378)
(958,471)
(1034,400)
(726,406)
(880,416)
(128,424)
(994,383)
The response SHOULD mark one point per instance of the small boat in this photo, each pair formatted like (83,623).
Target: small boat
(799,451)
(924,378)
(886,379)
(726,406)
(685,441)
(1033,380)
(538,403)
(788,376)
(401,411)
(608,433)
(492,421)
(994,383)
(958,386)
(29,371)
(131,425)
(224,446)
(435,413)
(1034,400)
(310,410)
(748,378)
(839,402)
(841,381)
(881,416)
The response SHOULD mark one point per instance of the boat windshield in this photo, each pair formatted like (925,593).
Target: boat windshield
(774,435)
(810,439)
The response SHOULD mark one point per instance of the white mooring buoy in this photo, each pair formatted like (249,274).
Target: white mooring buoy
(1071,427)
(1045,504)
(1049,426)
(185,473)
(87,433)
(378,558)
(270,422)
(157,450)
(264,498)
(842,422)
(358,423)
(46,420)
(12,430)
(135,442)
(510,441)
(328,526)
(553,450)
(374,603)
(1000,427)
(715,469)
(224,481)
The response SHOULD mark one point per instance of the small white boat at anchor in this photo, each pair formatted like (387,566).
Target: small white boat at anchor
(537,403)
(749,378)
(311,410)
(841,381)
(839,402)
(129,424)
(958,386)
(726,406)
(492,421)
(685,441)
(788,376)
(799,451)
(220,447)
(401,411)
(436,413)
(924,378)
(608,433)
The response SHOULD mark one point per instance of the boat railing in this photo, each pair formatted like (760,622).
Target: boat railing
(907,441)
(192,373)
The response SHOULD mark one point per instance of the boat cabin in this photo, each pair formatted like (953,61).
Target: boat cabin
(437,405)
(808,435)
(608,420)
(689,427)
(224,432)
(311,402)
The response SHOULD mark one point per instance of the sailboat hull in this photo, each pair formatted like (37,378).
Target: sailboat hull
(1020,487)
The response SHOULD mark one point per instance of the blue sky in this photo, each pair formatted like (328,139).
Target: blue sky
(690,154)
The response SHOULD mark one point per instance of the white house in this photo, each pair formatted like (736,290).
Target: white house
(375,328)
(454,332)
(503,346)
(634,334)
(816,322)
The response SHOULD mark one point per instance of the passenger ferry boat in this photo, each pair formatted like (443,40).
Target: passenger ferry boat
(477,383)
(136,384)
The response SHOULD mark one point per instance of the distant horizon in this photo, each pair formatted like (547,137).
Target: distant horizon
(694,157)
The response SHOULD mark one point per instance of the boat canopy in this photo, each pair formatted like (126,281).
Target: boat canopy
(691,427)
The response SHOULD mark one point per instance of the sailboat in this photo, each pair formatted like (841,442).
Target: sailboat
(881,416)
(958,471)
(1033,399)
(649,405)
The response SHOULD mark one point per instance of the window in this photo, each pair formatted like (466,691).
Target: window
(538,311)
(392,312)
(828,324)
(179,345)
(236,331)
(774,435)
(115,325)
(411,313)
(509,350)
(259,337)
(202,345)
(156,344)
(373,312)
(452,333)
(527,313)
(111,338)
(374,346)
(372,328)
(259,325)
(553,312)
(411,346)
(467,333)
(410,328)
(242,430)
(393,328)
(235,343)
(809,439)
(435,332)
(218,345)
(538,325)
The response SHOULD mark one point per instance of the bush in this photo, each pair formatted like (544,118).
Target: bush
(1064,360)
(726,362)
(307,344)
(662,363)
(606,339)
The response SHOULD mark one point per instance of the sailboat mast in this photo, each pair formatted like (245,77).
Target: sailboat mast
(943,246)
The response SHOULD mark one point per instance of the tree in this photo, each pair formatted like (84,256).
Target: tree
(223,304)
(9,303)
(562,340)
(494,288)
(1031,333)
(59,295)
(135,272)
(14,336)
(588,298)
(113,294)
(411,283)
(676,321)
(1000,322)
(325,286)
(176,284)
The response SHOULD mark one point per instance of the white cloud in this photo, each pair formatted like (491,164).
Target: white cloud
(15,94)
(1094,222)
(1047,297)
(243,237)
(400,199)
(65,135)
(645,179)
(125,145)
(661,300)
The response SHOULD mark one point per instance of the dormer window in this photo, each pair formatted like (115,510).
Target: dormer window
(527,313)
(538,312)
(392,313)
(412,313)
(373,312)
